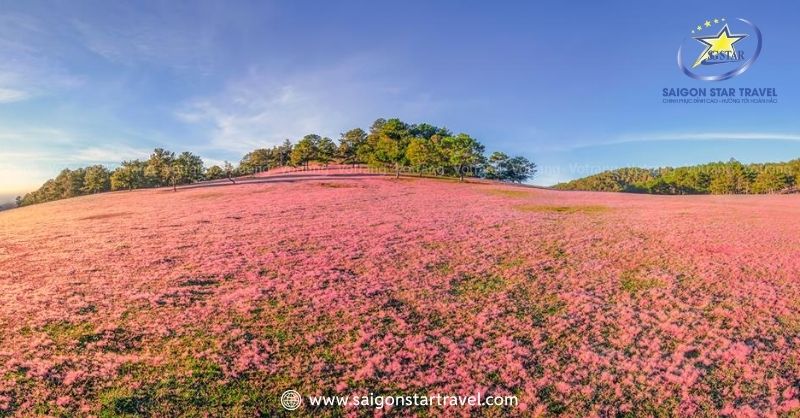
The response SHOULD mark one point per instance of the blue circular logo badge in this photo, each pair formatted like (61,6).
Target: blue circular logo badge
(720,48)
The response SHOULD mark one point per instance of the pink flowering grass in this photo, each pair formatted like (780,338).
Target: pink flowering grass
(215,300)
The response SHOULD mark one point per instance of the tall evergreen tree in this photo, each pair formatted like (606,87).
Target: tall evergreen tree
(305,150)
(326,151)
(96,179)
(349,145)
(159,167)
(463,153)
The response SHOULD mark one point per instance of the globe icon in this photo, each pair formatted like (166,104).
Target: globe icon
(291,400)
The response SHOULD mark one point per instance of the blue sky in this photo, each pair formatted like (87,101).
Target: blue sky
(574,86)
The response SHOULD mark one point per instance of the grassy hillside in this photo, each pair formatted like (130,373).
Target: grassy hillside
(215,300)
(731,177)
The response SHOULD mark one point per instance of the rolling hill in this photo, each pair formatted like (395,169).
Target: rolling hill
(730,177)
(214,300)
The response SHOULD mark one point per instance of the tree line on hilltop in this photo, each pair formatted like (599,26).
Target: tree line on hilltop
(730,177)
(390,144)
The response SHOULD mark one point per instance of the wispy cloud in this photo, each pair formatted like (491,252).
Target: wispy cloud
(11,95)
(27,68)
(262,109)
(32,155)
(683,136)
(167,35)
(148,43)
(714,136)
(109,154)
(257,112)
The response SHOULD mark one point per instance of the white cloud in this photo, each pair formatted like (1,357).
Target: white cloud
(713,136)
(107,154)
(262,109)
(31,156)
(685,136)
(27,64)
(11,95)
(149,40)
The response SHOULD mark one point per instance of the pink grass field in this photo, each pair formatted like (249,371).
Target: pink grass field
(215,300)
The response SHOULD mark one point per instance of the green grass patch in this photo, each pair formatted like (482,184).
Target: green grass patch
(202,391)
(432,245)
(633,282)
(510,193)
(511,262)
(65,334)
(468,285)
(790,323)
(535,304)
(442,267)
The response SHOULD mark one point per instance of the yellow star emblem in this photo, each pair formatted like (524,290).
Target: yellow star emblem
(722,43)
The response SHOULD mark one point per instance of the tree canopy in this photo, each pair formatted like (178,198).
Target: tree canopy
(390,144)
(731,177)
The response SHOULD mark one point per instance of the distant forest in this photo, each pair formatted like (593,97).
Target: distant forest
(390,144)
(730,177)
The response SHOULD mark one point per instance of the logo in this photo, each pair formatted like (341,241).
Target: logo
(291,400)
(719,49)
